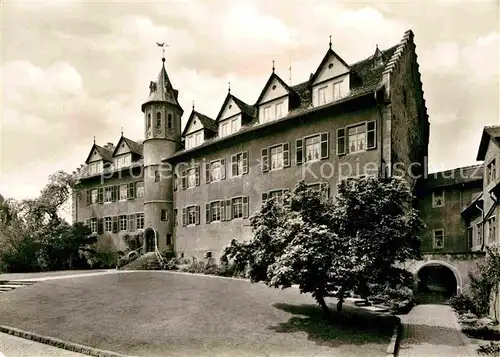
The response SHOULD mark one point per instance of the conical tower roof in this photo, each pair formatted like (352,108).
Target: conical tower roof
(162,90)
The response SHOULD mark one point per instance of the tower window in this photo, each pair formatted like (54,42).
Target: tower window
(157,176)
(149,121)
(169,121)
(158,119)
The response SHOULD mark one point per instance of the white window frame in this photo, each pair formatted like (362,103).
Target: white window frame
(139,184)
(358,134)
(434,231)
(281,161)
(239,165)
(190,209)
(281,112)
(215,209)
(105,191)
(434,205)
(93,225)
(139,218)
(122,222)
(492,228)
(266,113)
(491,171)
(304,149)
(94,195)
(337,94)
(236,206)
(191,177)
(123,189)
(225,128)
(198,139)
(235,125)
(322,95)
(108,220)
(212,176)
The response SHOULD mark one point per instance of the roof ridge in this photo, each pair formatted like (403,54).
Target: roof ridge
(455,169)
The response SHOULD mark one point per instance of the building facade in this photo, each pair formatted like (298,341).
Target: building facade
(193,190)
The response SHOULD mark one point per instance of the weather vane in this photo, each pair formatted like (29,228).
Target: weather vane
(162,45)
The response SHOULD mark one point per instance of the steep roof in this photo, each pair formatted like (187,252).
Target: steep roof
(329,53)
(489,132)
(162,90)
(107,155)
(245,108)
(368,78)
(268,83)
(134,147)
(460,175)
(206,122)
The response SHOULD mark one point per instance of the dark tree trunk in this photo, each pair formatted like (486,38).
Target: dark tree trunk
(340,302)
(326,310)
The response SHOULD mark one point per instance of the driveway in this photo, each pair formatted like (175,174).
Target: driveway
(433,331)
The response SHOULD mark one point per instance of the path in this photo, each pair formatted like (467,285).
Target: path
(13,346)
(433,331)
(64,274)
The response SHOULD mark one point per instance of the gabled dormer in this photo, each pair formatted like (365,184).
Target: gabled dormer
(126,152)
(199,128)
(233,114)
(331,81)
(276,99)
(97,158)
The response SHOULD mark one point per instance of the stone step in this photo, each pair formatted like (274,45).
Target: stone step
(6,289)
(13,286)
(376,308)
(20,282)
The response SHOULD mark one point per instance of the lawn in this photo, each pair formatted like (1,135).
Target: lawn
(167,314)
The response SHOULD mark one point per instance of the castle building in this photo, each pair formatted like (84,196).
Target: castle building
(193,189)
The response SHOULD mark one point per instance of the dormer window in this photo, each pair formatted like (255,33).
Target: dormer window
(122,161)
(322,95)
(95,167)
(337,90)
(280,110)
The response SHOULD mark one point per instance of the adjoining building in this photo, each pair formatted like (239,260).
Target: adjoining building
(192,190)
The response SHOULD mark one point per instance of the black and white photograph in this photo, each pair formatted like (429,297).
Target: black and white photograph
(247,178)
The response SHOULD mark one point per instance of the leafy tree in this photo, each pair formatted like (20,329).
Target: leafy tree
(354,243)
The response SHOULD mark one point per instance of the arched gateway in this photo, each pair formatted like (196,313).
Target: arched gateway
(436,280)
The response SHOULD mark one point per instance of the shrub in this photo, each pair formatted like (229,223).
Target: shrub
(133,241)
(171,264)
(491,350)
(463,304)
(168,254)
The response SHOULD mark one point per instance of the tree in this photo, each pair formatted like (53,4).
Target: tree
(354,243)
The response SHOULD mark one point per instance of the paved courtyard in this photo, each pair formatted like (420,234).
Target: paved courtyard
(433,331)
(167,314)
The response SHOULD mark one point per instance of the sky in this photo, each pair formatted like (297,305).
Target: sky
(72,70)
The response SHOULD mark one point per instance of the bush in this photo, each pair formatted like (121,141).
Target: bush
(399,300)
(491,350)
(463,304)
(168,254)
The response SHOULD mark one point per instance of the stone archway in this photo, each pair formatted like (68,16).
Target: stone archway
(149,240)
(437,281)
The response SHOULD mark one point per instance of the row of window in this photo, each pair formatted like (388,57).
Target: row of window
(474,234)
(276,157)
(126,222)
(122,192)
(159,120)
(325,97)
(216,211)
(119,162)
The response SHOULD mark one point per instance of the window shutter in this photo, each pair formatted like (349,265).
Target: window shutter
(207,172)
(229,213)
(341,141)
(175,182)
(371,137)
(245,206)
(207,213)
(324,145)
(222,210)
(89,197)
(175,217)
(114,193)
(197,214)
(115,224)
(286,154)
(184,179)
(223,169)
(100,226)
(184,217)
(298,151)
(234,165)
(197,175)
(245,162)
(264,197)
(265,163)
(100,195)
